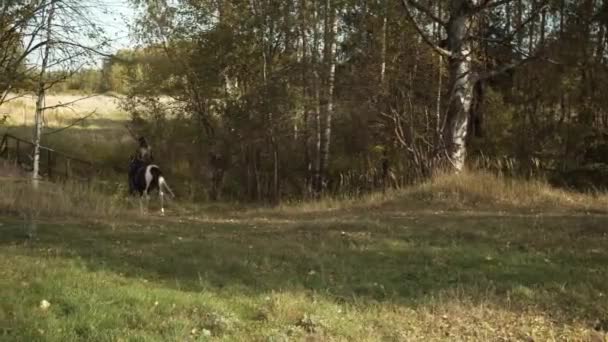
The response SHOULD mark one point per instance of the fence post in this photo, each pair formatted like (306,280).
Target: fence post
(8,150)
(18,152)
(49,166)
(3,144)
(68,170)
(89,174)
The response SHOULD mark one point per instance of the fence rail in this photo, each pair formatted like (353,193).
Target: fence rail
(54,165)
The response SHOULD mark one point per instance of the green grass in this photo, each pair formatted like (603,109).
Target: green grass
(401,267)
(466,258)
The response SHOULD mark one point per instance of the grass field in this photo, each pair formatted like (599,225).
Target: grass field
(21,108)
(469,258)
(460,258)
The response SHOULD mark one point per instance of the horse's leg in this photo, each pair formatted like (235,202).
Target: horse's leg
(147,202)
(162,202)
(141,205)
(146,192)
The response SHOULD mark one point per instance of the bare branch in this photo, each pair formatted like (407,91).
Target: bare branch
(503,69)
(421,32)
(534,13)
(131,133)
(397,128)
(16,97)
(91,49)
(23,20)
(488,4)
(517,50)
(428,12)
(76,122)
(509,66)
(67,104)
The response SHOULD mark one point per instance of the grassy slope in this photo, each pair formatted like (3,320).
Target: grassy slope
(509,261)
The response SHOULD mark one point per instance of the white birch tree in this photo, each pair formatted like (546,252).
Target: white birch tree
(459,50)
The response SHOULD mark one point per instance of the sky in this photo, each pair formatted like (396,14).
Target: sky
(114,18)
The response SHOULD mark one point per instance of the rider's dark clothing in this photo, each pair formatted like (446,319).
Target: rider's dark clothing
(142,157)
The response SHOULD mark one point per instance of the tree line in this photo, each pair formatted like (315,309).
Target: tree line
(276,99)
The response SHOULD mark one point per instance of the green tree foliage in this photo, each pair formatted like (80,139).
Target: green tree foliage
(235,91)
(16,43)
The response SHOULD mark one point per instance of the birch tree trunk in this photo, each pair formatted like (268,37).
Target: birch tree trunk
(330,56)
(317,98)
(305,93)
(460,29)
(40,98)
(439,79)
(461,84)
(383,52)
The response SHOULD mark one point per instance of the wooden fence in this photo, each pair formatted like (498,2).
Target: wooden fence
(54,165)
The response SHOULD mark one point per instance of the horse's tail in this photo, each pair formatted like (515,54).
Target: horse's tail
(162,183)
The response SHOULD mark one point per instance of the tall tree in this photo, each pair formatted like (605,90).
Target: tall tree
(461,49)
(331,28)
(58,25)
(40,92)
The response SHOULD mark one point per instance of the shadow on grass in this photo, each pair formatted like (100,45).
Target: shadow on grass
(557,263)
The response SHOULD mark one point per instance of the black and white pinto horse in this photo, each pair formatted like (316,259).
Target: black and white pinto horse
(145,177)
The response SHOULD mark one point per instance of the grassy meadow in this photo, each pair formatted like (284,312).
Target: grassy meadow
(21,108)
(96,132)
(471,257)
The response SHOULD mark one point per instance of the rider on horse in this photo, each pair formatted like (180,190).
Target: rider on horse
(142,157)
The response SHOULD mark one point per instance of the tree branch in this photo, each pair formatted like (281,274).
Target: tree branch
(72,124)
(532,16)
(425,37)
(92,49)
(69,103)
(428,12)
(526,58)
(518,50)
(131,133)
(487,4)
(509,66)
(24,19)
(16,97)
(534,12)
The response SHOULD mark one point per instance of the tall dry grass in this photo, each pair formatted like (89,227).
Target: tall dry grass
(484,189)
(61,200)
(468,190)
(21,109)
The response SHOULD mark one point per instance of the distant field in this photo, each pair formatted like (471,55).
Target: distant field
(21,110)
(101,137)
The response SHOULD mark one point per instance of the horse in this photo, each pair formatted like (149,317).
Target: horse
(145,177)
